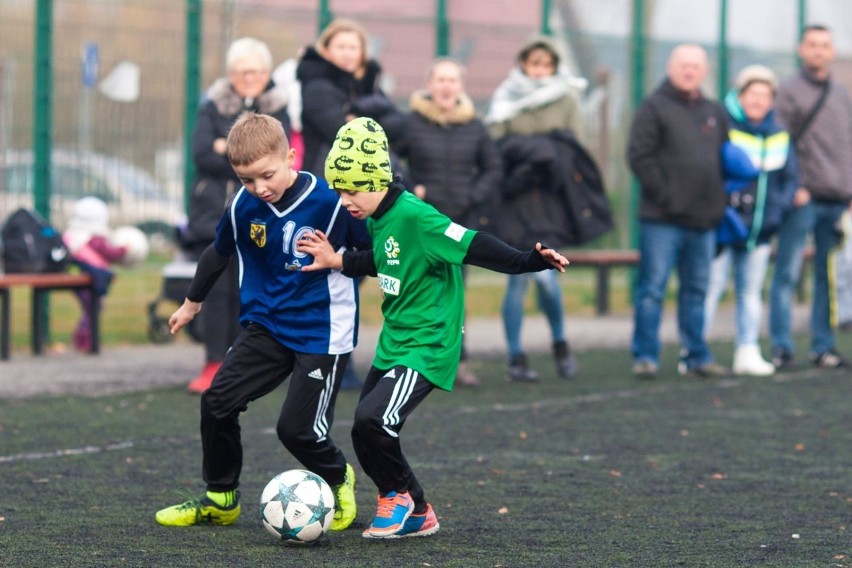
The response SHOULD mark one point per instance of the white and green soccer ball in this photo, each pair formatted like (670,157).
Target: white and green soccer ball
(297,506)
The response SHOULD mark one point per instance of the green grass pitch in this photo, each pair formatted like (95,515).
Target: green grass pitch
(602,471)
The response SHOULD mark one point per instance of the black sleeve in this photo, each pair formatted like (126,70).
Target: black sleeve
(489,252)
(358,263)
(210,266)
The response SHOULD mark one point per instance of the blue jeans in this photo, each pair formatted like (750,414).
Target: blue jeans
(549,302)
(749,274)
(662,247)
(820,218)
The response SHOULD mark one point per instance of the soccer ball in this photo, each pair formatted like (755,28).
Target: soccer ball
(297,506)
(135,241)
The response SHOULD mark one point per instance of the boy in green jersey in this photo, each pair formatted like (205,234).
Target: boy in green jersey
(417,256)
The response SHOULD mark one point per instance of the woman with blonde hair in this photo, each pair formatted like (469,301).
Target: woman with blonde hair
(453,163)
(340,82)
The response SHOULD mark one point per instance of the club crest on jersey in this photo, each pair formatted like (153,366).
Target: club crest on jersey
(257,232)
(392,250)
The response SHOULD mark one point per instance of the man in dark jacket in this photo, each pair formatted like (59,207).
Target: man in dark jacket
(674,151)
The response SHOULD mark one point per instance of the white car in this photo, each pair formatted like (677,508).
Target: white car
(133,196)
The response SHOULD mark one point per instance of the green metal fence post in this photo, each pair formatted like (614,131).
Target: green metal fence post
(722,77)
(803,16)
(442,29)
(42,137)
(191,91)
(43,107)
(545,17)
(637,88)
(325,15)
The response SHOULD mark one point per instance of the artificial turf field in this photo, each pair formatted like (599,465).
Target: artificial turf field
(604,470)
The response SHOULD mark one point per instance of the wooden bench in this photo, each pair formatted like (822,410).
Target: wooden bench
(41,285)
(604,259)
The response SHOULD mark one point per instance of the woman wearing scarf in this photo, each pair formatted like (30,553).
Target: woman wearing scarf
(537,98)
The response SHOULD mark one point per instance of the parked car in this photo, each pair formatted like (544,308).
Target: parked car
(134,196)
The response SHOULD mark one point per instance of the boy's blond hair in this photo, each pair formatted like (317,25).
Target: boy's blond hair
(254,136)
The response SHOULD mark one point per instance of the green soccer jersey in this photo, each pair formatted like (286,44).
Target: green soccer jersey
(418,254)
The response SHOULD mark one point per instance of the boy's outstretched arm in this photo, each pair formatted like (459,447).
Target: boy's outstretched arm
(210,266)
(352,263)
(489,252)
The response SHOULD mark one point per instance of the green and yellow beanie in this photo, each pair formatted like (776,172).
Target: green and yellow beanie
(359,158)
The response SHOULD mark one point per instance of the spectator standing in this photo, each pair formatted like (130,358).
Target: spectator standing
(674,150)
(760,192)
(537,98)
(247,86)
(818,113)
(340,82)
(453,163)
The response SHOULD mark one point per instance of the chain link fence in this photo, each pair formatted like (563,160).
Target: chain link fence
(119,86)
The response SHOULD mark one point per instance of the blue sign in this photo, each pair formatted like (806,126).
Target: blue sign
(91,64)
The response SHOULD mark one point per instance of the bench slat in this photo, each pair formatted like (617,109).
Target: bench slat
(57,280)
(41,285)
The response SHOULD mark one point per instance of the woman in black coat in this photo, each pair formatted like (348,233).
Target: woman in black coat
(453,163)
(246,87)
(339,83)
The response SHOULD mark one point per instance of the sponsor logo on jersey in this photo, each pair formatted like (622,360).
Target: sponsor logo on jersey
(257,232)
(293,266)
(389,284)
(455,232)
(392,250)
(316,374)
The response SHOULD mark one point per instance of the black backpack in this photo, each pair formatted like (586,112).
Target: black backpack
(30,244)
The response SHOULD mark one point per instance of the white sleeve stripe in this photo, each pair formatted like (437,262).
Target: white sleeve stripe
(233,214)
(333,217)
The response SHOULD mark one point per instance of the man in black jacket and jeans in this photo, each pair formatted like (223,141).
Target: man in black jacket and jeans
(674,151)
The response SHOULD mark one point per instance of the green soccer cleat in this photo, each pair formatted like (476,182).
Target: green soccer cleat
(345,507)
(201,510)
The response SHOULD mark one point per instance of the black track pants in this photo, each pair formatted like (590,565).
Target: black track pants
(388,398)
(254,367)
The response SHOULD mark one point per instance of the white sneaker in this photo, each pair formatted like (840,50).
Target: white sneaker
(749,361)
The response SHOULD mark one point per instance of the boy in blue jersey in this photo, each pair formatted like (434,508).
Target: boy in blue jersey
(297,324)
(417,257)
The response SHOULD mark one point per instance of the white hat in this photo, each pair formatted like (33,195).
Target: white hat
(755,74)
(91,214)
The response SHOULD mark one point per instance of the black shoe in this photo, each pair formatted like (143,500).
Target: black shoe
(519,371)
(709,370)
(566,365)
(782,359)
(828,360)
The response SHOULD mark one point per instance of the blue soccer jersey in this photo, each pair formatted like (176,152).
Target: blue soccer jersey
(309,312)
